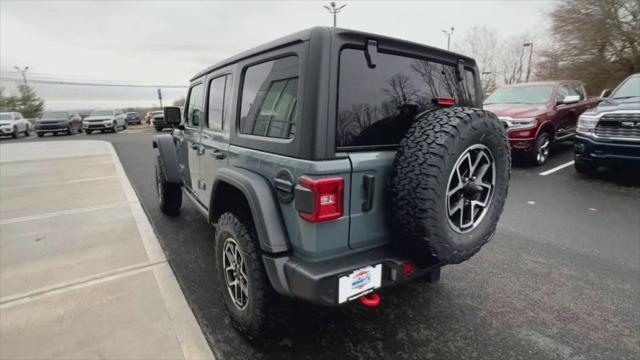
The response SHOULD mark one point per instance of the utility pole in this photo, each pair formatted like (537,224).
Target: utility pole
(530,45)
(24,74)
(160,98)
(448,35)
(334,11)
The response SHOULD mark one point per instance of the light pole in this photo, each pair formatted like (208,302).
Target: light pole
(24,74)
(334,11)
(530,44)
(448,35)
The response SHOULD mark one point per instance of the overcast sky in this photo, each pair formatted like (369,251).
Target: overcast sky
(166,42)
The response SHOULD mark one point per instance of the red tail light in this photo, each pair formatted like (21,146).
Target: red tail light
(445,101)
(327,198)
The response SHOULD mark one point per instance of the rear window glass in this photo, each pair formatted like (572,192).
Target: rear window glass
(377,106)
(270,99)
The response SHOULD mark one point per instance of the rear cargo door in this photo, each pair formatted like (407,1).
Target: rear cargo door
(376,106)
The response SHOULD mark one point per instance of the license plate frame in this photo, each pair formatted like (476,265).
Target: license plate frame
(359,282)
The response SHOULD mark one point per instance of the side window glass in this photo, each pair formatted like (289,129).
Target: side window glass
(216,103)
(563,92)
(194,109)
(576,89)
(269,99)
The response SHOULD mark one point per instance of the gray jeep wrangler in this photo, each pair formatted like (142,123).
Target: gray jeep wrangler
(332,163)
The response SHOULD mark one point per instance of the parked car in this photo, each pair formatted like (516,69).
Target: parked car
(538,114)
(104,119)
(359,186)
(55,122)
(157,121)
(609,134)
(12,123)
(133,118)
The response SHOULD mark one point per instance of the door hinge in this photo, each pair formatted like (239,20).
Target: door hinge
(202,185)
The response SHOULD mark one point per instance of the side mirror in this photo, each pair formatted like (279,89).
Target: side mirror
(172,115)
(605,93)
(571,99)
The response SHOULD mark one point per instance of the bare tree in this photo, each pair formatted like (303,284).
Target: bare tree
(481,43)
(400,90)
(513,63)
(596,41)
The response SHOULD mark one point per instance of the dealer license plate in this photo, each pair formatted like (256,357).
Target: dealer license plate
(359,282)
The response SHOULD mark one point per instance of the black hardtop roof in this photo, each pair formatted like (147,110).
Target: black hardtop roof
(305,35)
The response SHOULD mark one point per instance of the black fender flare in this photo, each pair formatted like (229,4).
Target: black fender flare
(268,222)
(169,157)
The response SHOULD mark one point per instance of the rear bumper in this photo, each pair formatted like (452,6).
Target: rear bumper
(601,152)
(317,282)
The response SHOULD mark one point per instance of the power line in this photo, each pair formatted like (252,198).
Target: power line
(62,82)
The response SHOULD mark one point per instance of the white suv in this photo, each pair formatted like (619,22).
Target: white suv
(12,123)
(105,119)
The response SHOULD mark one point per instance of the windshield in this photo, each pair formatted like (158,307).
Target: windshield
(535,94)
(630,88)
(55,114)
(101,113)
(5,116)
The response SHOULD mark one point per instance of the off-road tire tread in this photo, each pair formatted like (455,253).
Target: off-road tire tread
(262,315)
(420,173)
(172,193)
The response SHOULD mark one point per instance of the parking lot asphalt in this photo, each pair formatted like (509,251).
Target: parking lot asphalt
(560,279)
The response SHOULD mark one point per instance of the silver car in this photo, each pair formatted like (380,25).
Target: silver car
(105,119)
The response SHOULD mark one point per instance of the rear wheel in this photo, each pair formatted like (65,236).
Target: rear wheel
(247,293)
(169,194)
(40,134)
(449,184)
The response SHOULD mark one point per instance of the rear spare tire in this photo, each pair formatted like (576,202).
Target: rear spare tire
(449,183)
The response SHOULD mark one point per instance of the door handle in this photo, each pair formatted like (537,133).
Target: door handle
(217,154)
(368,183)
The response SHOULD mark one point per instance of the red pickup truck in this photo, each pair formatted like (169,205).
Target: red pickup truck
(539,113)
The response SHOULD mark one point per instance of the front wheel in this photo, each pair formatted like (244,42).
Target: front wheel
(541,149)
(15,132)
(247,293)
(169,194)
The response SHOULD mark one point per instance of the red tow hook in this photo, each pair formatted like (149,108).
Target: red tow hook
(370,300)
